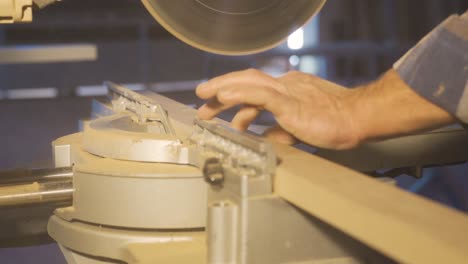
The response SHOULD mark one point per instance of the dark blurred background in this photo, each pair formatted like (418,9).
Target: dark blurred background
(356,39)
(350,42)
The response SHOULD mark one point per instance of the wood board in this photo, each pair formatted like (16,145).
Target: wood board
(399,224)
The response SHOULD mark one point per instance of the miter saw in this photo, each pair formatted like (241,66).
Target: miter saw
(154,186)
(146,182)
(150,183)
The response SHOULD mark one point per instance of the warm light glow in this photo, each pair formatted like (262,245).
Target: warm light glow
(296,39)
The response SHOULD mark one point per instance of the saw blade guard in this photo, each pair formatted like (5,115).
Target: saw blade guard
(228,27)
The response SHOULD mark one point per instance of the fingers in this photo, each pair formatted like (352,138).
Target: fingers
(244,117)
(251,88)
(209,89)
(258,96)
(278,134)
(210,109)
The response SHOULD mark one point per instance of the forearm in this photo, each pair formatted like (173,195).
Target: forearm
(437,67)
(388,107)
(426,89)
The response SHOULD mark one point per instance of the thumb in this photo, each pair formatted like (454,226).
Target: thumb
(278,134)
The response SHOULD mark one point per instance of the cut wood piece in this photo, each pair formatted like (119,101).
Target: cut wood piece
(400,225)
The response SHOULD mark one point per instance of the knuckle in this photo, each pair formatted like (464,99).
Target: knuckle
(299,76)
(253,72)
(293,73)
(227,95)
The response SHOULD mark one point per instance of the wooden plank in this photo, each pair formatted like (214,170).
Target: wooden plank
(401,225)
(48,53)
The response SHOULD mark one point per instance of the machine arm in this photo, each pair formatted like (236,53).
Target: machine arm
(20,11)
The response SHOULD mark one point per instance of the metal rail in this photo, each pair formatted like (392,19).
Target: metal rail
(21,176)
(40,186)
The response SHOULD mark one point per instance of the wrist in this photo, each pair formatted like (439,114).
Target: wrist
(357,103)
(388,108)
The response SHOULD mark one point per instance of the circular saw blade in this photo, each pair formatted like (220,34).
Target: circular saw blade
(232,27)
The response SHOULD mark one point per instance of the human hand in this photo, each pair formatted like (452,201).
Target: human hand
(306,107)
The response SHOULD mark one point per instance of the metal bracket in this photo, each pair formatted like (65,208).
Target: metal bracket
(141,107)
(118,137)
(15,11)
(246,154)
